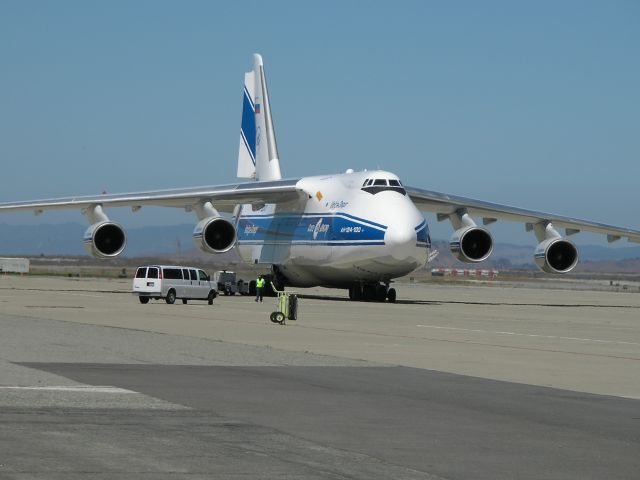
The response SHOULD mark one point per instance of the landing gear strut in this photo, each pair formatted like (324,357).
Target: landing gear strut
(372,292)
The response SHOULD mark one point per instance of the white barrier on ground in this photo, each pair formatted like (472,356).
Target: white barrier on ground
(464,272)
(14,265)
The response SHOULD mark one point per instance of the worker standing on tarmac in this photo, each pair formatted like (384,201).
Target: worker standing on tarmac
(259,287)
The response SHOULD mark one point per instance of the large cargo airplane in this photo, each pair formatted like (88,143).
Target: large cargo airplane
(354,230)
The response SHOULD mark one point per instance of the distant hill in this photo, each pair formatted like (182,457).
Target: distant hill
(593,258)
(66,239)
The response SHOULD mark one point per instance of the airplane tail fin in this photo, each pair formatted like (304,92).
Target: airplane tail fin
(258,151)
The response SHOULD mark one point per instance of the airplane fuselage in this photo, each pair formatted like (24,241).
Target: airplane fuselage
(353,227)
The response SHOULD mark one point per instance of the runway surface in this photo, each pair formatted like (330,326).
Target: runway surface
(454,382)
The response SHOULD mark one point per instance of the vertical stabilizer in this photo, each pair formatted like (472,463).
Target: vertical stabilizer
(258,152)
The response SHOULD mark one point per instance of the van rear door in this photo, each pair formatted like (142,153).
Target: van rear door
(140,280)
(146,281)
(153,282)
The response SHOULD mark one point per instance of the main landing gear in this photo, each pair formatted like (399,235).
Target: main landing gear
(372,292)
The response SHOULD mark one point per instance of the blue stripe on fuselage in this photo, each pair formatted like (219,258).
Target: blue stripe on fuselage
(327,229)
(422,234)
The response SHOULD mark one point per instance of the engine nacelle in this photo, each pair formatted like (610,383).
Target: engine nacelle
(471,244)
(214,235)
(105,240)
(556,255)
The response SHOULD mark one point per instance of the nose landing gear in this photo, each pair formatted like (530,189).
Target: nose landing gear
(372,292)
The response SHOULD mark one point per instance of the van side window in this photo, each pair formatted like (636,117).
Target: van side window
(203,276)
(152,272)
(141,272)
(194,276)
(185,273)
(172,273)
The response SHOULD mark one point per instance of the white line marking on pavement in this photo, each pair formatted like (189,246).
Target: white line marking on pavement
(72,388)
(529,335)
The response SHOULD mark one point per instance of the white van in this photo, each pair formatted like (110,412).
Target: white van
(171,282)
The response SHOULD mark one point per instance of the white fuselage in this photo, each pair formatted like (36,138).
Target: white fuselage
(342,233)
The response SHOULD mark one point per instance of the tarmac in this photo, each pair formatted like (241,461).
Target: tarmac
(452,382)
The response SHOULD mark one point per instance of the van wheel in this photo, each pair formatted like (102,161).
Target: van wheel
(184,301)
(143,299)
(171,297)
(211,296)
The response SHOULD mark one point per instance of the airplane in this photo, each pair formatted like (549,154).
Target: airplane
(353,230)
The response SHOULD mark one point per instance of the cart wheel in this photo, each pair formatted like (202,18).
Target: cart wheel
(279,318)
(272,317)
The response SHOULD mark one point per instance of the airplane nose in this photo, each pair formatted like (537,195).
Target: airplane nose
(401,239)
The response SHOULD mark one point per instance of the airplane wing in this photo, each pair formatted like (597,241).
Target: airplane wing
(445,205)
(223,197)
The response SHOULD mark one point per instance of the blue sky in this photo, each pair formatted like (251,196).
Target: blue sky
(532,104)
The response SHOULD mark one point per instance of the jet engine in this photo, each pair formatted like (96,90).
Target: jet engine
(471,244)
(105,239)
(214,235)
(556,255)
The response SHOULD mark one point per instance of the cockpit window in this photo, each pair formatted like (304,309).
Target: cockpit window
(377,185)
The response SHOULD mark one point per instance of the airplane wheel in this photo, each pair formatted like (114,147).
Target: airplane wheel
(391,295)
(171,297)
(144,299)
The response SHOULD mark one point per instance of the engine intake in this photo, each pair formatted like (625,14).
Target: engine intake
(556,255)
(214,235)
(105,240)
(471,244)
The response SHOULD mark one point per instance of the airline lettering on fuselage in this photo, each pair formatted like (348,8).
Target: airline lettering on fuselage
(318,228)
(338,204)
(352,230)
